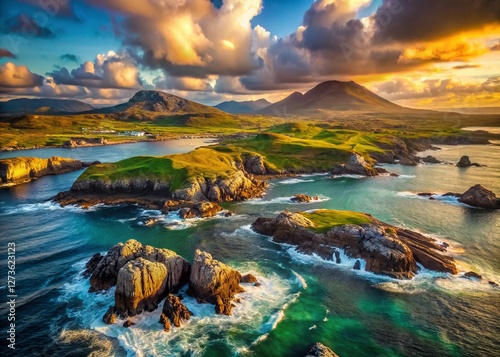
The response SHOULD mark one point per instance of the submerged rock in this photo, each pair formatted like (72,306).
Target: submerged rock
(320,350)
(473,274)
(356,165)
(249,278)
(301,198)
(214,282)
(429,159)
(478,196)
(386,249)
(465,162)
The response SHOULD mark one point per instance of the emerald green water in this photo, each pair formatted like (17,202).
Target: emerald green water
(302,300)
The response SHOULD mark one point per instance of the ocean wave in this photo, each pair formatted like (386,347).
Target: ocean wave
(284,200)
(357,177)
(293,181)
(47,206)
(435,196)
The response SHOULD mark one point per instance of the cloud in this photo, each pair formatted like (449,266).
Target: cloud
(495,47)
(54,8)
(467,66)
(191,38)
(6,53)
(69,57)
(110,70)
(12,76)
(184,83)
(409,21)
(27,27)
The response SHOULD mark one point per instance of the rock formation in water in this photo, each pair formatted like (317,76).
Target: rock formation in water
(140,286)
(431,160)
(214,282)
(465,162)
(320,350)
(174,312)
(386,249)
(301,198)
(188,210)
(478,196)
(104,273)
(356,165)
(19,170)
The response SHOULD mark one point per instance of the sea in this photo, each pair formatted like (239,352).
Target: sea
(302,300)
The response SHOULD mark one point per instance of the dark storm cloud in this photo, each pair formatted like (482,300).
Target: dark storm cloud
(6,53)
(27,27)
(54,8)
(409,21)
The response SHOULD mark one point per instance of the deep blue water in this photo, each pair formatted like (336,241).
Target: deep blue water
(303,299)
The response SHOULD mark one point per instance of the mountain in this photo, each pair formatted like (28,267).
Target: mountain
(332,96)
(149,104)
(246,107)
(43,106)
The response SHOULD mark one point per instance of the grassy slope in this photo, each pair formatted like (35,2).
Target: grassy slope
(324,220)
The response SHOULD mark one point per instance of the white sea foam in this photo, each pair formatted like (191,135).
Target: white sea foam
(435,196)
(293,181)
(284,200)
(357,177)
(47,206)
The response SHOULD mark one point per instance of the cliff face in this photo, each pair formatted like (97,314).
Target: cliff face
(19,170)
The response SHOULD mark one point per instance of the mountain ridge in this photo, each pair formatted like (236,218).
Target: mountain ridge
(243,107)
(43,106)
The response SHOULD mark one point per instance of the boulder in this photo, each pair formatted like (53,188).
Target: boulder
(473,274)
(165,322)
(109,317)
(356,165)
(214,282)
(465,162)
(301,198)
(248,278)
(357,265)
(175,311)
(478,196)
(104,275)
(141,285)
(320,350)
(429,159)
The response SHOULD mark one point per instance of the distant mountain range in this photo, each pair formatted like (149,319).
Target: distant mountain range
(43,106)
(246,107)
(332,96)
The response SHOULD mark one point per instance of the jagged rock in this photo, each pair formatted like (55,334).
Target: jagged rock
(149,221)
(357,265)
(320,350)
(431,160)
(79,142)
(248,278)
(492,283)
(92,264)
(472,274)
(165,322)
(189,210)
(301,198)
(465,162)
(356,165)
(109,317)
(387,250)
(141,285)
(175,310)
(17,170)
(105,274)
(214,282)
(478,196)
(128,323)
(255,165)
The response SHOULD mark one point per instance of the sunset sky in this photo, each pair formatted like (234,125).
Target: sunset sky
(417,53)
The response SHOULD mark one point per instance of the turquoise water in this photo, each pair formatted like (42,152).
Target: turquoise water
(303,299)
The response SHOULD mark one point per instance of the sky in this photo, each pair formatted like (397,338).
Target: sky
(417,53)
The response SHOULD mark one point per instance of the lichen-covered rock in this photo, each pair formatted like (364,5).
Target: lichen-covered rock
(17,170)
(175,311)
(214,282)
(141,285)
(356,165)
(105,273)
(478,196)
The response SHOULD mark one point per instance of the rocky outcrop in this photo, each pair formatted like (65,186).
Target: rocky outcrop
(320,350)
(386,249)
(105,273)
(174,312)
(19,170)
(82,142)
(214,282)
(478,196)
(255,165)
(301,198)
(356,165)
(188,210)
(465,162)
(140,286)
(134,185)
(237,186)
(429,159)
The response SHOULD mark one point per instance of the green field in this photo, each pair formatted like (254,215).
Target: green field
(324,220)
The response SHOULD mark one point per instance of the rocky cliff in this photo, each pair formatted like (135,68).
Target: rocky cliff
(19,170)
(214,282)
(386,249)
